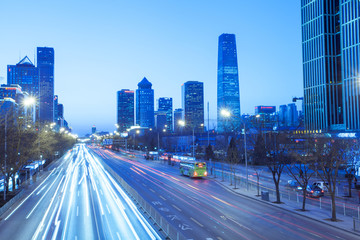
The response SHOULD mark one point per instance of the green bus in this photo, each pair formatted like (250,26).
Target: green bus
(193,168)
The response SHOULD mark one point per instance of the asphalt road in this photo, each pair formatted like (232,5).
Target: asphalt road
(77,200)
(203,209)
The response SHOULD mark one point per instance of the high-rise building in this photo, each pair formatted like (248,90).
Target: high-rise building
(193,105)
(26,75)
(161,121)
(228,95)
(331,64)
(282,115)
(178,116)
(350,59)
(165,105)
(45,64)
(292,116)
(145,104)
(93,129)
(125,109)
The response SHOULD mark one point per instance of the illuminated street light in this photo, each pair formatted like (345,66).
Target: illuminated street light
(29,101)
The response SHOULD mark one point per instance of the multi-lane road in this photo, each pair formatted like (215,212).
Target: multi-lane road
(204,209)
(77,200)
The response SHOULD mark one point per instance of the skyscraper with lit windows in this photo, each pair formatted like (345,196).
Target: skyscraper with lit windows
(145,104)
(125,109)
(45,64)
(330,42)
(193,105)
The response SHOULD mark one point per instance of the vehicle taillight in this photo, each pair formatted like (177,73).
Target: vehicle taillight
(312,191)
(205,173)
(322,191)
(195,173)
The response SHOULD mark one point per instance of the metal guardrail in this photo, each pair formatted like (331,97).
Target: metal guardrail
(162,223)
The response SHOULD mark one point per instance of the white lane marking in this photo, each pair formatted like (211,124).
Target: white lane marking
(77,211)
(47,210)
(315,235)
(118,235)
(108,208)
(37,204)
(101,192)
(78,193)
(28,196)
(41,189)
(56,230)
(81,179)
(194,220)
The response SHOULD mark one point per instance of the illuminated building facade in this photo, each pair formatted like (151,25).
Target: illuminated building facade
(125,109)
(228,94)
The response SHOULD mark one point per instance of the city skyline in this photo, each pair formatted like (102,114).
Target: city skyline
(119,54)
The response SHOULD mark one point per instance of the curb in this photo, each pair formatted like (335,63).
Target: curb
(277,206)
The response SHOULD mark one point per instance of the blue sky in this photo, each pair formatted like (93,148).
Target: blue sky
(104,46)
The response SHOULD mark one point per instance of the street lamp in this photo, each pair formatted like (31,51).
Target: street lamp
(226,113)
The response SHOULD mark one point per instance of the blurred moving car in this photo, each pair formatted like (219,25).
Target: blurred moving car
(321,185)
(294,184)
(314,191)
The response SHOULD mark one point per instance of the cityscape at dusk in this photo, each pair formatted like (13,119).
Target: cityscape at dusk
(180,120)
(101,48)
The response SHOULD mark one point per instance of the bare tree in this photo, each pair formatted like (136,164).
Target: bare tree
(232,159)
(277,158)
(330,155)
(258,172)
(300,169)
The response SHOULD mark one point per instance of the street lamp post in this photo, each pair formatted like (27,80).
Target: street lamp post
(5,148)
(228,114)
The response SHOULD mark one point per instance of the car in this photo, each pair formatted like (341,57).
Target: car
(321,184)
(314,191)
(294,184)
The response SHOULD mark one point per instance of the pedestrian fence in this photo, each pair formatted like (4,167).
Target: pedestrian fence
(356,224)
(149,211)
(346,208)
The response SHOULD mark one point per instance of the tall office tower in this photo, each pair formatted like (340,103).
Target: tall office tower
(93,129)
(125,109)
(292,116)
(45,64)
(161,121)
(228,95)
(282,115)
(350,59)
(145,104)
(193,105)
(178,116)
(330,37)
(26,75)
(165,105)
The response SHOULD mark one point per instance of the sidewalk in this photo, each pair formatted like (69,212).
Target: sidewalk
(345,223)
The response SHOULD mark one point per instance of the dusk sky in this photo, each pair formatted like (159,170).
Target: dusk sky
(104,46)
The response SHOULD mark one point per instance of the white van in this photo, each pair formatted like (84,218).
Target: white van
(321,185)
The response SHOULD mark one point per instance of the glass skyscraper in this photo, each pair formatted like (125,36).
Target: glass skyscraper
(45,64)
(350,61)
(228,95)
(193,105)
(166,105)
(145,104)
(330,41)
(26,75)
(125,109)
